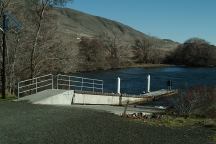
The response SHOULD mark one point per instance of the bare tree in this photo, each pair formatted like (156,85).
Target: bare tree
(142,50)
(3,7)
(38,9)
(14,45)
(112,45)
(91,54)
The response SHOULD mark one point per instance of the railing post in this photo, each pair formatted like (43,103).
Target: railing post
(69,82)
(102,86)
(82,85)
(52,82)
(93,85)
(36,85)
(57,81)
(18,91)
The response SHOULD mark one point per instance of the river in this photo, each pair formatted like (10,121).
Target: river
(133,80)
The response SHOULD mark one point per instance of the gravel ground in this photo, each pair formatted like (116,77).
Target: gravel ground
(22,123)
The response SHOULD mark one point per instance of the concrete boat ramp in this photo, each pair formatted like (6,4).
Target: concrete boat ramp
(100,102)
(84,92)
(70,97)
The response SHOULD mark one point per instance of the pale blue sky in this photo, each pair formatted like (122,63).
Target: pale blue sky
(173,19)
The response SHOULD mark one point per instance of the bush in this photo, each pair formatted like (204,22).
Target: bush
(196,101)
(194,52)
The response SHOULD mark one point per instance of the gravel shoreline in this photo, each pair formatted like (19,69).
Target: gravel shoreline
(22,123)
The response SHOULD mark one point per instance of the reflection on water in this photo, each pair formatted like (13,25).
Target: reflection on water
(133,80)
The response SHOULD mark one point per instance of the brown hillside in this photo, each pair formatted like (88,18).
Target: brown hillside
(64,27)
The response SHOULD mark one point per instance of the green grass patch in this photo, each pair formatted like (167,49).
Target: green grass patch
(181,122)
(213,138)
(175,122)
(8,98)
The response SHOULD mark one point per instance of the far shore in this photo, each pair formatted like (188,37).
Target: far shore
(148,66)
(131,66)
(140,66)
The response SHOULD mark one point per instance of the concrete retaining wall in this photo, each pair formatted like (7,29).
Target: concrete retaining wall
(66,97)
(101,99)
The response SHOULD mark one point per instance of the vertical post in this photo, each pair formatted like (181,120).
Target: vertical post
(18,91)
(102,86)
(57,81)
(36,85)
(69,82)
(93,85)
(52,82)
(82,85)
(148,83)
(119,85)
(125,109)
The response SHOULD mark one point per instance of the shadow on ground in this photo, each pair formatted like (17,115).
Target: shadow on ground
(22,123)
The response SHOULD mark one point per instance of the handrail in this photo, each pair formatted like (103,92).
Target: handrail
(79,77)
(27,85)
(35,78)
(35,84)
(79,82)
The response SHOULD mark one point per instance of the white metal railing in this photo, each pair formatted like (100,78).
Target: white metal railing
(79,83)
(34,85)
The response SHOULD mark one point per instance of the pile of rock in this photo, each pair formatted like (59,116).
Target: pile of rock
(143,116)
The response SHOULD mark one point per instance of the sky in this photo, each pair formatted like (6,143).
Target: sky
(178,20)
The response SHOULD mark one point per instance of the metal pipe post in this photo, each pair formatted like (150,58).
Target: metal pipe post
(57,81)
(82,85)
(148,83)
(18,91)
(119,85)
(102,87)
(69,82)
(36,85)
(93,85)
(52,82)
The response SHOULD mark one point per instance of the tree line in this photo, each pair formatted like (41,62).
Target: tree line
(194,52)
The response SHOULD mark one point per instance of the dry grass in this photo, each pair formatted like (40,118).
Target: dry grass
(182,122)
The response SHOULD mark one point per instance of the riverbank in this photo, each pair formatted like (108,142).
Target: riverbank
(25,123)
(127,66)
(149,66)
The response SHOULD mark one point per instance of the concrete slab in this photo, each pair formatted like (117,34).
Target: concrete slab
(50,97)
(156,93)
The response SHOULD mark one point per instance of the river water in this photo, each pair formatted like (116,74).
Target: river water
(133,80)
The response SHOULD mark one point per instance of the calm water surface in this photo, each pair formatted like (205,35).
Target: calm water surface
(133,80)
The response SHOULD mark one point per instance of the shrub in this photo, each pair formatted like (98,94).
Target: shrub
(196,101)
(194,52)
